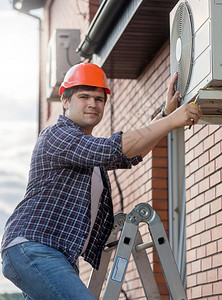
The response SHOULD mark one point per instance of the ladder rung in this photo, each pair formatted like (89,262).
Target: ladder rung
(143,246)
(110,246)
(139,247)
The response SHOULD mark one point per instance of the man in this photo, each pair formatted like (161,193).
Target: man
(67,209)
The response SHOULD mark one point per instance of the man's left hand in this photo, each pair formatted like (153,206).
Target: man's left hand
(172,97)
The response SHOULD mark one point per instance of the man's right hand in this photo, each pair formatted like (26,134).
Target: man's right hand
(185,115)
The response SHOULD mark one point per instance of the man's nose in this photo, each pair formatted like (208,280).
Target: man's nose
(92,102)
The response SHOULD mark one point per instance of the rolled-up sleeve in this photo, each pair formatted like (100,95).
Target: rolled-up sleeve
(72,147)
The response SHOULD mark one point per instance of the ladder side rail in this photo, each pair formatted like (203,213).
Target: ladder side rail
(145,271)
(120,262)
(97,278)
(166,258)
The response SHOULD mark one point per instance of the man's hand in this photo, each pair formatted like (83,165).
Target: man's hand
(172,97)
(185,115)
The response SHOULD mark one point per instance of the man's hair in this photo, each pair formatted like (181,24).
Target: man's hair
(67,94)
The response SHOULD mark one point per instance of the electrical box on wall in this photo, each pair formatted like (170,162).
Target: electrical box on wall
(61,56)
(195,54)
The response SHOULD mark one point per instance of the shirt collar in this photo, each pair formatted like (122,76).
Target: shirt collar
(68,122)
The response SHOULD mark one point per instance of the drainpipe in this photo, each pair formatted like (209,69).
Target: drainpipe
(100,25)
(170,192)
(182,239)
(176,199)
(173,191)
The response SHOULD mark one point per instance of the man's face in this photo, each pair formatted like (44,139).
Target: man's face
(85,108)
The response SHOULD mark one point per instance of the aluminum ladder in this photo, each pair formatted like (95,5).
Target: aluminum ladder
(130,241)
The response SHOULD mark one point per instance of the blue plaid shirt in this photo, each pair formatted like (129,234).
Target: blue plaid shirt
(56,208)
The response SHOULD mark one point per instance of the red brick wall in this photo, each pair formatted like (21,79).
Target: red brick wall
(93,7)
(160,203)
(204,212)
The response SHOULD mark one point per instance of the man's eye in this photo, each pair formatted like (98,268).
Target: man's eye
(99,99)
(83,97)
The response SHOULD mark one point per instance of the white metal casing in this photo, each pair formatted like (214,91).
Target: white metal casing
(207,47)
(61,56)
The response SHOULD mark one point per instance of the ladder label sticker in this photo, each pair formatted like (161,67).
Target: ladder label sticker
(119,269)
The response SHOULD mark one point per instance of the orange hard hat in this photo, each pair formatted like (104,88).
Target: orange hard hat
(84,74)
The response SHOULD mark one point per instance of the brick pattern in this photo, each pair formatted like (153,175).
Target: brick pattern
(160,204)
(204,211)
(93,7)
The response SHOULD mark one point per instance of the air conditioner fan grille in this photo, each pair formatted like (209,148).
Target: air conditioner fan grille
(181,47)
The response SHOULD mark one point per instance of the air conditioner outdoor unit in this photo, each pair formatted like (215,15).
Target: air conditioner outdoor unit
(196,54)
(61,56)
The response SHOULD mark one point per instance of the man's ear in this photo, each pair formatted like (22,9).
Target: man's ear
(65,103)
